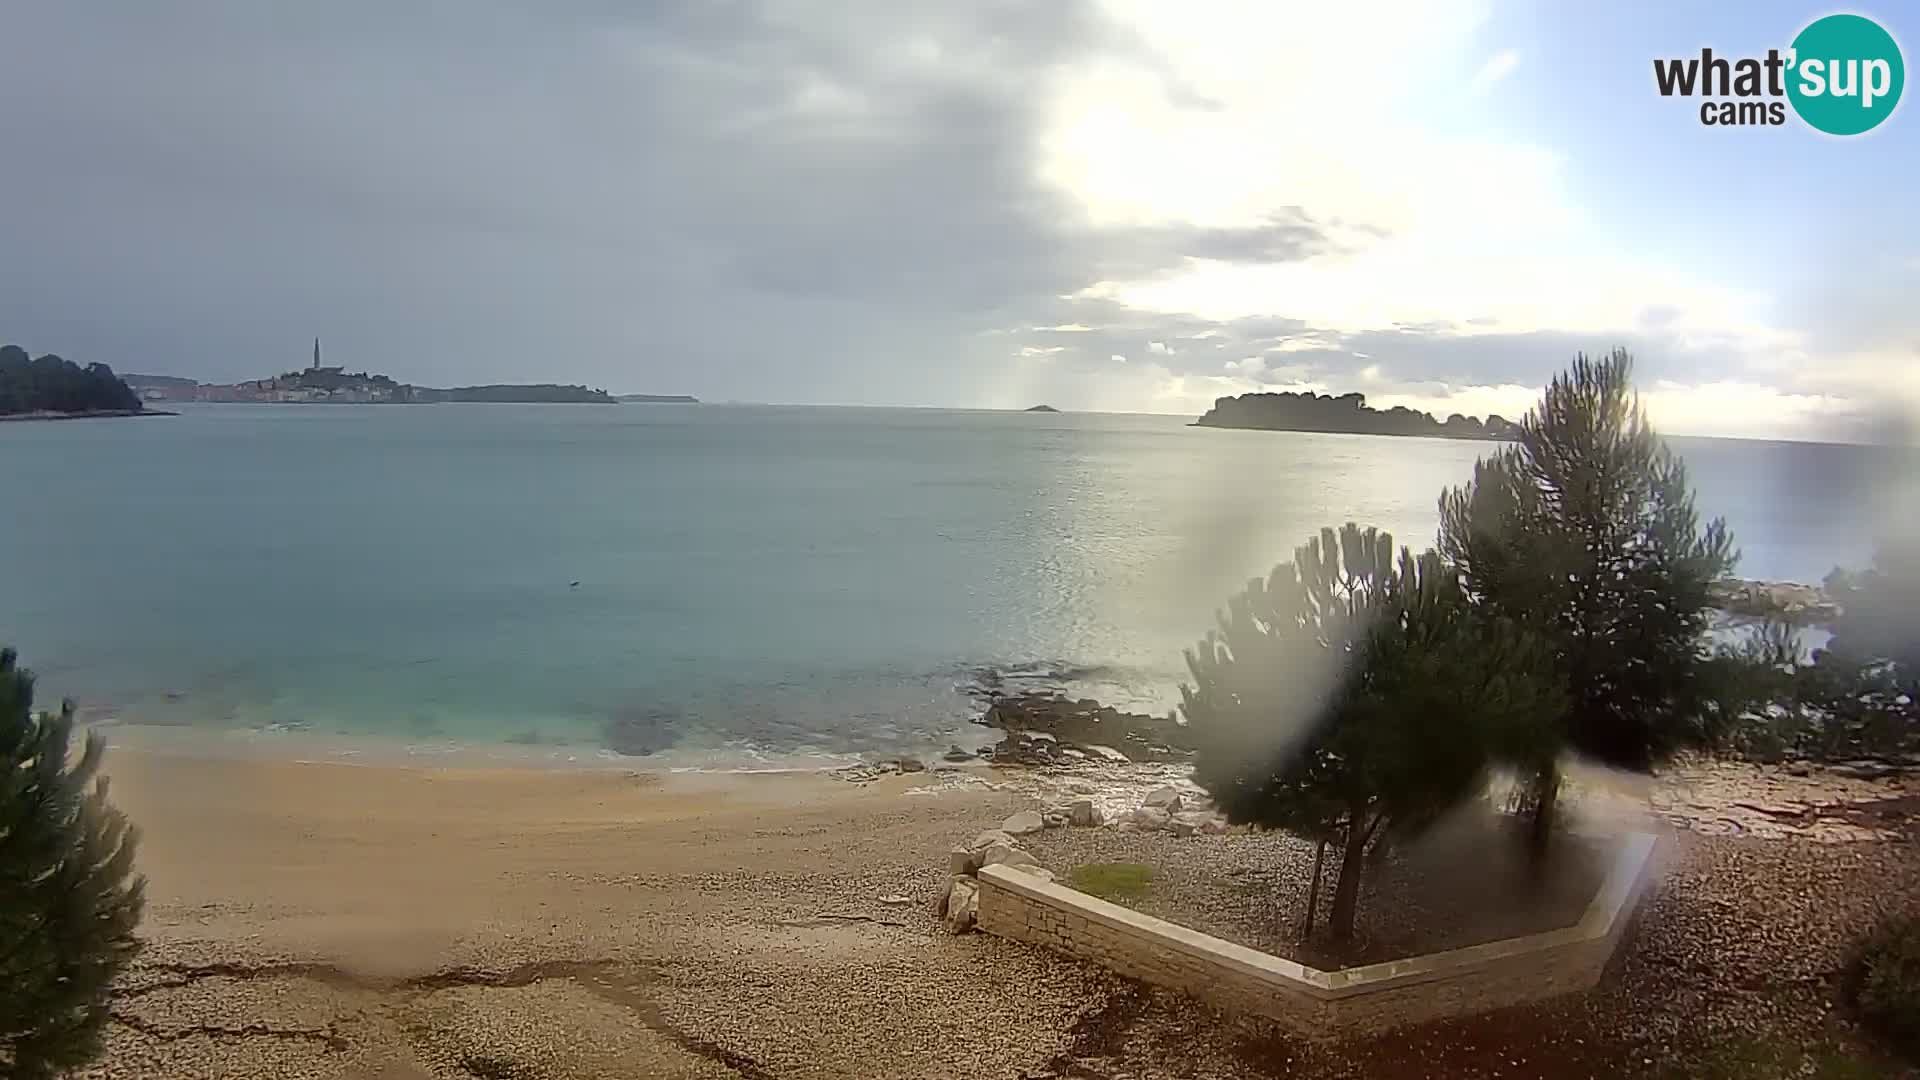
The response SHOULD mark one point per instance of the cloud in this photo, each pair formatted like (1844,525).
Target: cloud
(877,202)
(1498,66)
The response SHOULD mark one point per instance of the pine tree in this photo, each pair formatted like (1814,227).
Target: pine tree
(1347,696)
(1584,531)
(68,899)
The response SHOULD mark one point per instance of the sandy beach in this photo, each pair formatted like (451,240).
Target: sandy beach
(311,919)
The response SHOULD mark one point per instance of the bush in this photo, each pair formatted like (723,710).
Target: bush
(1886,982)
(68,900)
(1352,695)
(1113,881)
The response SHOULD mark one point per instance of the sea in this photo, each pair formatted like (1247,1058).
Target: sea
(711,586)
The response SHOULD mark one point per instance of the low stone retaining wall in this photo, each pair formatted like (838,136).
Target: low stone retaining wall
(1315,1003)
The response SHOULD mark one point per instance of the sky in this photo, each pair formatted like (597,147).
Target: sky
(1122,205)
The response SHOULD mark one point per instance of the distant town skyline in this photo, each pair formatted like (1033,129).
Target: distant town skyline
(1099,204)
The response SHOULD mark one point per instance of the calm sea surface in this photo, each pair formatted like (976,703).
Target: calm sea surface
(749,580)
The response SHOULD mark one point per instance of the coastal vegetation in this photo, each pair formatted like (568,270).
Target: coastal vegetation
(50,384)
(1351,696)
(1584,532)
(1856,697)
(1348,413)
(1884,984)
(69,900)
(516,392)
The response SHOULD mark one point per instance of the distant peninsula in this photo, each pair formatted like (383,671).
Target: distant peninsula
(1348,413)
(1041,408)
(318,385)
(658,399)
(52,388)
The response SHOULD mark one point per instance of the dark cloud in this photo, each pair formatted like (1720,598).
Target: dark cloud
(742,200)
(728,197)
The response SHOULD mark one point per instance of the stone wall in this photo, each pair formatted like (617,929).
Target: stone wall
(1311,1002)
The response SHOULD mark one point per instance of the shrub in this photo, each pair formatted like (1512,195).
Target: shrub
(1886,982)
(68,900)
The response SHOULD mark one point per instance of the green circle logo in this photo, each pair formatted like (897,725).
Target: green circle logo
(1845,74)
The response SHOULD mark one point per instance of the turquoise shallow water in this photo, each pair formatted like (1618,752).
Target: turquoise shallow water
(798,580)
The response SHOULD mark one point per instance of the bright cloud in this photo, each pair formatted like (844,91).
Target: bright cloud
(1230,123)
(1497,67)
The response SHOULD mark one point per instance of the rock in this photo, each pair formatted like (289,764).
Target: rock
(1084,813)
(1216,826)
(896,900)
(1188,823)
(1003,855)
(1164,798)
(989,838)
(1150,817)
(963,905)
(1081,787)
(961,861)
(1023,823)
(1054,821)
(1105,753)
(911,764)
(954,753)
(1086,724)
(1072,754)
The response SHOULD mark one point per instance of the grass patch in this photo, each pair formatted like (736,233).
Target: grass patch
(1114,881)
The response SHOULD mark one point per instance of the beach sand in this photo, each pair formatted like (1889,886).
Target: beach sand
(399,921)
(322,919)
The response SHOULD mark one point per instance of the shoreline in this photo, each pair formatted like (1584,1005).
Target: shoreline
(91,414)
(400,751)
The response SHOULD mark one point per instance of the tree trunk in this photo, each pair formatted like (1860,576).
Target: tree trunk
(1346,892)
(1313,891)
(1543,799)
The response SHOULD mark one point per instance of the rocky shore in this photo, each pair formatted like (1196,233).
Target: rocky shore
(1753,599)
(1048,729)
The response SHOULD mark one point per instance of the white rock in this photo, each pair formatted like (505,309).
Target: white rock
(989,838)
(1008,855)
(1149,817)
(963,905)
(1188,823)
(1107,753)
(896,900)
(1023,823)
(962,861)
(1085,812)
(1164,798)
(1081,787)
